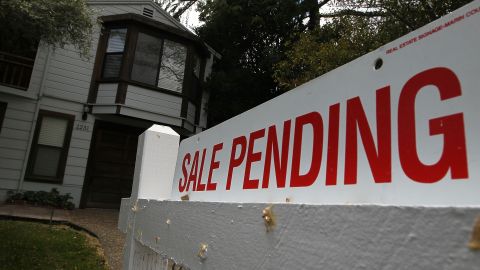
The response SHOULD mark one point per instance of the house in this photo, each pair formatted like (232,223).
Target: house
(72,123)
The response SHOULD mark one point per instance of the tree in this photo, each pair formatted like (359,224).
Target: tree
(250,36)
(55,22)
(352,28)
(176,8)
(271,46)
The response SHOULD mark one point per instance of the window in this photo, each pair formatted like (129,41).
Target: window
(138,51)
(3,109)
(50,147)
(172,68)
(147,59)
(157,64)
(114,53)
(196,65)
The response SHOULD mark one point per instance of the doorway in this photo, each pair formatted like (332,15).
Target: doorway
(111,165)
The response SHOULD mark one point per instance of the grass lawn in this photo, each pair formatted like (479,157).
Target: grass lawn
(29,245)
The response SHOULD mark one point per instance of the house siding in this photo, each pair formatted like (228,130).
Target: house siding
(77,153)
(153,101)
(107,93)
(14,137)
(60,82)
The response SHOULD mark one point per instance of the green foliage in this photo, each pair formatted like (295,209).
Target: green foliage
(250,36)
(42,198)
(27,245)
(55,22)
(373,24)
(319,51)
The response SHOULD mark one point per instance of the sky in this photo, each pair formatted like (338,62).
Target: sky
(190,18)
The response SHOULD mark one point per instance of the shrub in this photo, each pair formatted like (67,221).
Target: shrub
(42,198)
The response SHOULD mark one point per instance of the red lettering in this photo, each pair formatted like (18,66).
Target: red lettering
(272,148)
(252,157)
(454,155)
(235,162)
(183,181)
(380,161)
(332,148)
(200,186)
(213,165)
(315,120)
(193,173)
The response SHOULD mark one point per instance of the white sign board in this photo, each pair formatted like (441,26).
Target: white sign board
(405,134)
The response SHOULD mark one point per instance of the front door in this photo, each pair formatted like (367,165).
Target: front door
(111,165)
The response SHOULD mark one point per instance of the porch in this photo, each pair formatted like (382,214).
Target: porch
(15,70)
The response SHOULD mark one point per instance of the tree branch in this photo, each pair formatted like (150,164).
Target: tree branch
(352,12)
(323,3)
(400,19)
(182,10)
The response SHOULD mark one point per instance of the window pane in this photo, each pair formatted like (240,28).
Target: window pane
(116,40)
(196,65)
(47,161)
(112,65)
(147,58)
(172,68)
(52,131)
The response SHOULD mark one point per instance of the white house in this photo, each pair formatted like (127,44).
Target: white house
(72,124)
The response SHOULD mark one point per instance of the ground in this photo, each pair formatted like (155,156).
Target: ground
(33,245)
(100,222)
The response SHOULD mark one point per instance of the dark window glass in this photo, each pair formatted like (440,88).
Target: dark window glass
(196,65)
(172,68)
(112,65)
(114,53)
(47,161)
(3,109)
(147,59)
(50,147)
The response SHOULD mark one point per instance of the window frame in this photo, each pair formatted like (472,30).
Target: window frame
(58,179)
(3,110)
(137,29)
(123,53)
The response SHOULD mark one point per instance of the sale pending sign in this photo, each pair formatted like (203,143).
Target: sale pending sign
(399,126)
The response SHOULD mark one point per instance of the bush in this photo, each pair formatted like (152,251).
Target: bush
(42,198)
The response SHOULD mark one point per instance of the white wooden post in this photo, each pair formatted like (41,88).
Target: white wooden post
(154,169)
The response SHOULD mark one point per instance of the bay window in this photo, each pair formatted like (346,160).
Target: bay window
(155,59)
(142,60)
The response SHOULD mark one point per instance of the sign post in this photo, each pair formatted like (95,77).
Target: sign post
(154,167)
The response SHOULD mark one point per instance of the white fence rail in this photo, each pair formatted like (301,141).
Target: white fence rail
(165,234)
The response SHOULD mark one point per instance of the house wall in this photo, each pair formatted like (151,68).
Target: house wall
(60,82)
(14,137)
(78,149)
(153,101)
